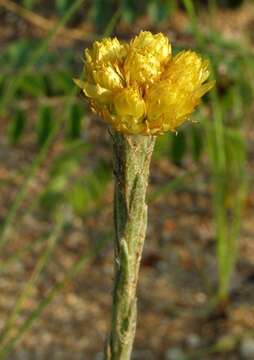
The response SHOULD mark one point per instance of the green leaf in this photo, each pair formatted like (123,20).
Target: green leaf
(50,201)
(64,169)
(132,9)
(29,4)
(74,122)
(79,198)
(63,5)
(101,12)
(162,146)
(235,150)
(178,147)
(86,193)
(196,142)
(16,53)
(159,10)
(67,162)
(60,82)
(44,124)
(2,83)
(128,11)
(32,84)
(16,126)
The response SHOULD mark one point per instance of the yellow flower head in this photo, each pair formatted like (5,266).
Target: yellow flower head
(139,88)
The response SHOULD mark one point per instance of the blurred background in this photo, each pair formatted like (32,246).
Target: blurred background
(196,291)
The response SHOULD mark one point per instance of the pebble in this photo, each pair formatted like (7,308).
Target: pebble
(174,354)
(22,355)
(193,341)
(99,356)
(142,354)
(247,348)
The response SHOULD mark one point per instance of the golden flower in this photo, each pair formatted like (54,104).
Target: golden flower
(139,88)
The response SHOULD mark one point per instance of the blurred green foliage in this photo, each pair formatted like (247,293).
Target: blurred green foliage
(44,95)
(16,126)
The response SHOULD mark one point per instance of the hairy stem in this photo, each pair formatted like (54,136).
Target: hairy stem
(132,155)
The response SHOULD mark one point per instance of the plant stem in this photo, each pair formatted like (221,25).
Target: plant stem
(131,160)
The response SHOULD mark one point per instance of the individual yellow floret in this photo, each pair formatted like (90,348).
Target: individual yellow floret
(146,58)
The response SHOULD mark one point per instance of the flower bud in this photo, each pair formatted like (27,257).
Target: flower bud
(146,58)
(171,100)
(167,107)
(102,63)
(187,69)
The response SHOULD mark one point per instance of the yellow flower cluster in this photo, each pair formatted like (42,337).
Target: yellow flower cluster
(140,88)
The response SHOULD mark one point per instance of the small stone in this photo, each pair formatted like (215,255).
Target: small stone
(247,348)
(142,354)
(174,354)
(22,354)
(193,341)
(99,356)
